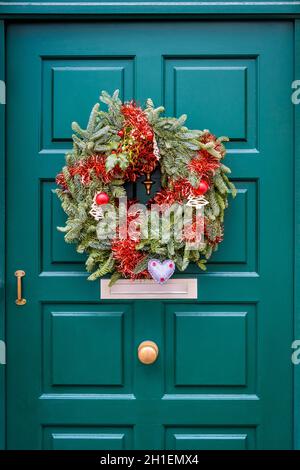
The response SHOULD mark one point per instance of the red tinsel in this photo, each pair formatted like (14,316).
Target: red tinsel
(93,165)
(178,191)
(61,181)
(209,137)
(135,117)
(194,231)
(211,238)
(126,256)
(204,164)
(137,141)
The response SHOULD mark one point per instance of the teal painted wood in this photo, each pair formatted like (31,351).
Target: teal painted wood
(175,403)
(150,8)
(297,242)
(2,236)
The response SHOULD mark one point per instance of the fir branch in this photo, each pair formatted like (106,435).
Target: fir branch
(142,265)
(114,278)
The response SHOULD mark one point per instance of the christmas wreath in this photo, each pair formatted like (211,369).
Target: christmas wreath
(118,146)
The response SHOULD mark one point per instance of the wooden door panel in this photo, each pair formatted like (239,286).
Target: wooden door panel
(87,348)
(210,438)
(223,378)
(211,349)
(87,438)
(70,87)
(230,102)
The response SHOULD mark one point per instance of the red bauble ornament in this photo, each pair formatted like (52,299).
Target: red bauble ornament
(202,188)
(121,133)
(149,135)
(101,198)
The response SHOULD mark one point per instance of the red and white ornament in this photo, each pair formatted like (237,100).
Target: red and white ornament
(100,199)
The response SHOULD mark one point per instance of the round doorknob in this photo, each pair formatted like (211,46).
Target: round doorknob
(147,352)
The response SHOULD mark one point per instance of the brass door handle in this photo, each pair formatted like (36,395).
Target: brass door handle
(148,352)
(19,274)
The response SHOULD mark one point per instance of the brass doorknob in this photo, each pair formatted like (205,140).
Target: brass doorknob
(148,352)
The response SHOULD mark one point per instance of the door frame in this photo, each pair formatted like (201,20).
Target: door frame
(2,237)
(154,10)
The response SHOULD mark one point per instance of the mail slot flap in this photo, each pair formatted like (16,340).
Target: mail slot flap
(147,289)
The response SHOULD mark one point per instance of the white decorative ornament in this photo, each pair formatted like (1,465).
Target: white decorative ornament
(161,271)
(197,201)
(155,149)
(96,210)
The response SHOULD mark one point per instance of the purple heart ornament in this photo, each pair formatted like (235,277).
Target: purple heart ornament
(161,271)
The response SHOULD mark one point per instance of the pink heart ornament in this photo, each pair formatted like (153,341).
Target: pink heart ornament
(161,271)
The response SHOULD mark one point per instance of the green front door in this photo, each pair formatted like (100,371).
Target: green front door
(223,379)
